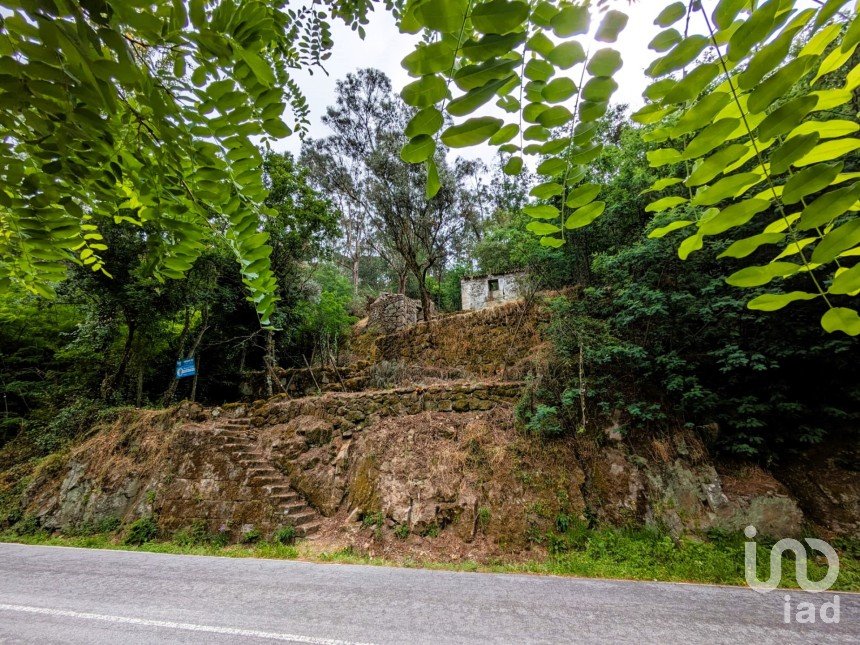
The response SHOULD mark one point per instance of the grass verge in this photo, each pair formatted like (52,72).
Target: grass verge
(605,553)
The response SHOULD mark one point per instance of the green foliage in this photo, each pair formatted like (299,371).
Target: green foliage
(251,536)
(401,531)
(781,111)
(141,531)
(509,51)
(285,535)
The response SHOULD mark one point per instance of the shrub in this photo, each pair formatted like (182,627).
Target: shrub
(194,535)
(286,535)
(141,531)
(402,531)
(28,525)
(251,536)
(483,518)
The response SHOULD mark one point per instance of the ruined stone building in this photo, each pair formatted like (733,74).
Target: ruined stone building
(481,291)
(391,312)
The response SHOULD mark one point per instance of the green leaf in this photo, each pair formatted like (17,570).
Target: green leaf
(665,40)
(836,241)
(828,207)
(433,183)
(778,84)
(841,319)
(613,23)
(585,215)
(731,186)
(260,67)
(726,12)
(790,151)
(831,149)
(846,282)
(693,84)
(732,216)
(756,276)
(513,166)
(552,242)
(491,46)
(711,137)
(499,16)
(427,121)
(660,184)
(418,149)
(546,190)
(424,92)
(540,43)
(582,195)
(505,134)
(605,62)
(665,230)
(663,157)
(442,15)
(775,301)
(827,129)
(715,164)
(679,57)
(671,14)
(541,211)
(753,31)
(786,117)
(475,98)
(744,247)
(472,76)
(690,244)
(542,228)
(571,20)
(558,90)
(538,70)
(599,89)
(567,54)
(429,59)
(551,167)
(809,181)
(665,204)
(474,131)
(554,116)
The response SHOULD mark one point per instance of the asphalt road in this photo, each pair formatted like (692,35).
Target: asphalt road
(62,595)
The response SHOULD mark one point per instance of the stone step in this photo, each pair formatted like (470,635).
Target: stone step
(294,507)
(301,517)
(262,471)
(308,529)
(281,489)
(233,445)
(241,422)
(265,480)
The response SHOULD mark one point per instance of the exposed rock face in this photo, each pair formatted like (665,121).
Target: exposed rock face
(672,483)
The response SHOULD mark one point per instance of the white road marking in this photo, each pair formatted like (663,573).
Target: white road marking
(168,624)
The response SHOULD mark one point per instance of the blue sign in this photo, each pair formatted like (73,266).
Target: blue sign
(186,367)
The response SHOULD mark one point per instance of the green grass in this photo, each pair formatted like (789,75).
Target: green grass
(605,553)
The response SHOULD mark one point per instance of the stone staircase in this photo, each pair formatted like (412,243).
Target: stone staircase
(239,440)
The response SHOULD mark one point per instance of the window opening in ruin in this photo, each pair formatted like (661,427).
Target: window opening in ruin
(494,288)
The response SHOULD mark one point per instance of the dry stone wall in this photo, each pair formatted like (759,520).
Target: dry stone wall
(484,343)
(348,412)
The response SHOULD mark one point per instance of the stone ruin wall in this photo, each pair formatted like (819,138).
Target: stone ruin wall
(391,312)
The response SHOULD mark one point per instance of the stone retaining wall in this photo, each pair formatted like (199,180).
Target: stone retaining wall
(484,342)
(348,412)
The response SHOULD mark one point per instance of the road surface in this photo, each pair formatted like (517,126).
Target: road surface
(64,595)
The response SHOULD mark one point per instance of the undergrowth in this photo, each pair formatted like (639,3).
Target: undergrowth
(572,551)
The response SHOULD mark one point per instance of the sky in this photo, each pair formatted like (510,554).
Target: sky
(384,47)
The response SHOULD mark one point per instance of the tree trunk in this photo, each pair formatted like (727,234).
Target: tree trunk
(402,278)
(355,261)
(138,399)
(167,397)
(110,382)
(269,359)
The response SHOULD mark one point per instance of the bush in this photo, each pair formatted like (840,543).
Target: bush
(286,535)
(251,536)
(141,531)
(402,531)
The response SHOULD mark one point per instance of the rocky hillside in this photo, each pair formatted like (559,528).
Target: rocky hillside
(417,452)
